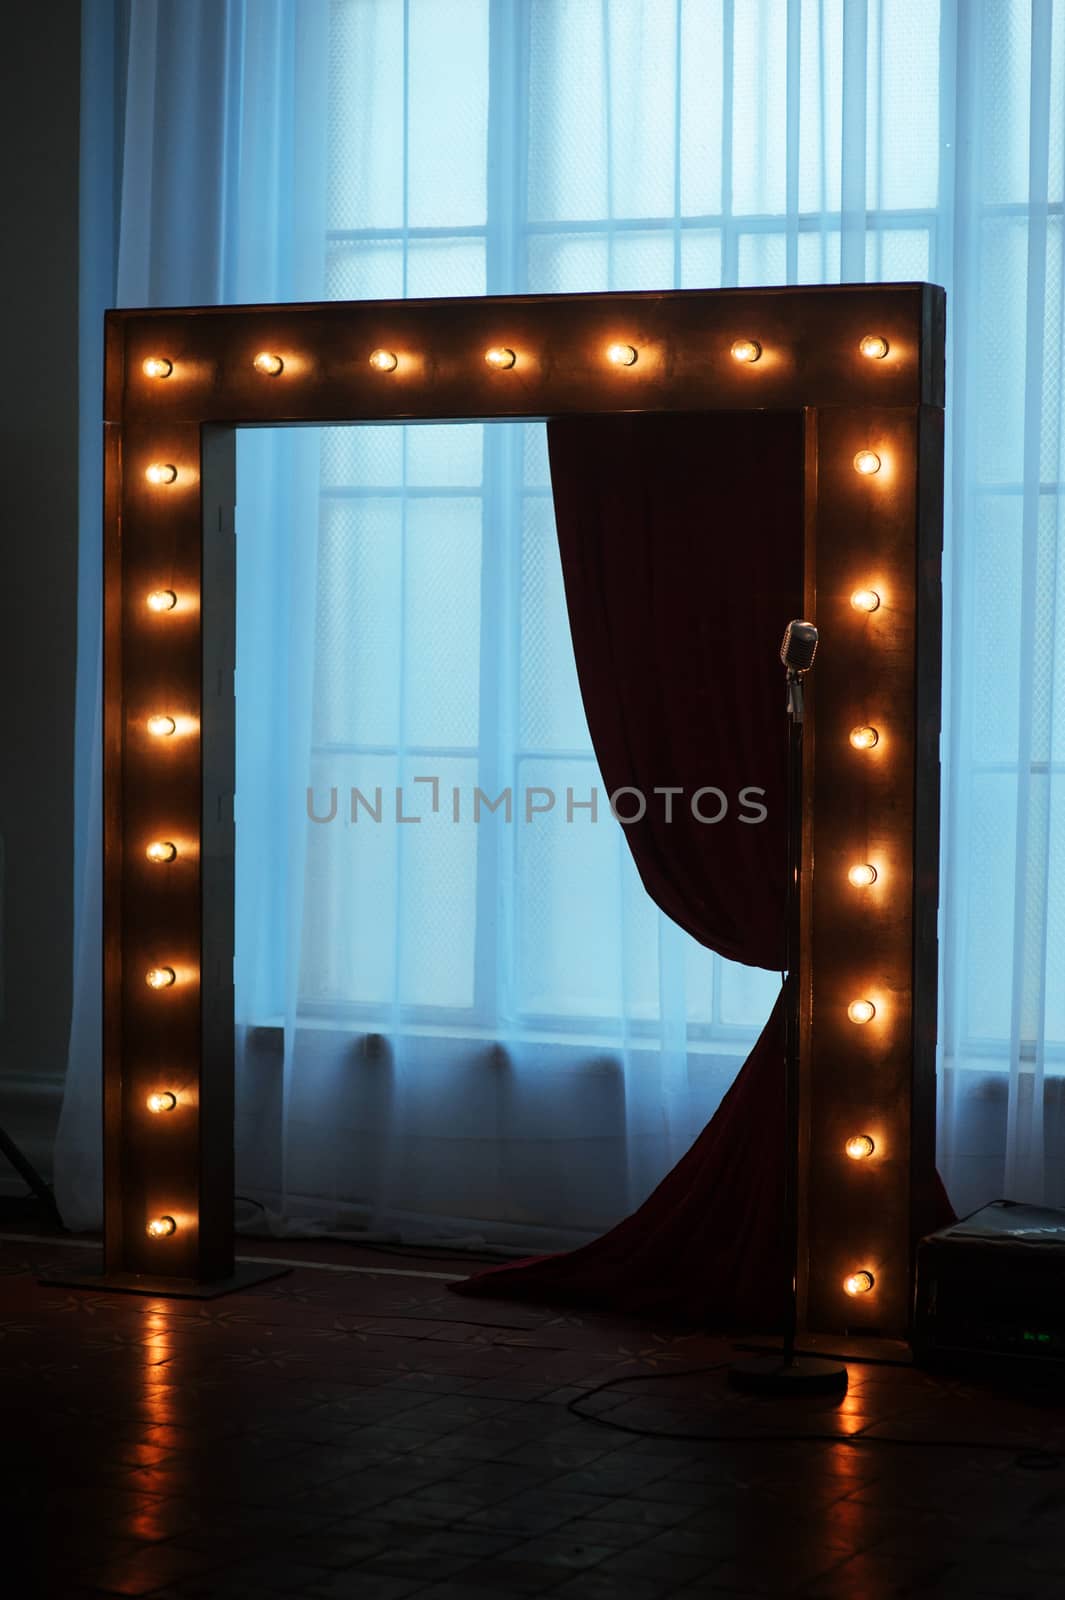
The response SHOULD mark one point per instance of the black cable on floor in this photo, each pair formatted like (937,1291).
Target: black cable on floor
(1030,1460)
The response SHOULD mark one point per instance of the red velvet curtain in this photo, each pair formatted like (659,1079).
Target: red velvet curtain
(681,542)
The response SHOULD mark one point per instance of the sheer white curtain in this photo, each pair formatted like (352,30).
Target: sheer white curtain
(203,180)
(450,1028)
(1002,1107)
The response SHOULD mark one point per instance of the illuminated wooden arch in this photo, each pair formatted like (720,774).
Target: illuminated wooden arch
(178,383)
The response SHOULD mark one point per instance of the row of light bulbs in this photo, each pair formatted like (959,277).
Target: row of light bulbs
(166,600)
(161,473)
(866,462)
(860,1146)
(501,357)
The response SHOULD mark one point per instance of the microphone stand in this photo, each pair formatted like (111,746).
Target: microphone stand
(784,1372)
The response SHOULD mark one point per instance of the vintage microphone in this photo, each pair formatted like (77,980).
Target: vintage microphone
(784,1372)
(797,653)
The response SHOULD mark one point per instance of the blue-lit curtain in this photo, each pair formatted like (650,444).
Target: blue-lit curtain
(1002,1107)
(203,180)
(448,1029)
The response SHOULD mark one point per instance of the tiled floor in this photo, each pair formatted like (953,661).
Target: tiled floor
(358,1433)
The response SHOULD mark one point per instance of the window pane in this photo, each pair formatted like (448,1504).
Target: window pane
(762,258)
(537,471)
(701,78)
(552,713)
(998,338)
(994,535)
(561,263)
(568,150)
(569,884)
(747,994)
(759,106)
(821,105)
(1004,100)
(903,105)
(699,966)
(1052,451)
(1055,955)
(700,258)
(350,865)
(448,90)
(642,68)
(357,648)
(437,886)
(369,270)
(989,874)
(442,622)
(363,456)
(897,255)
(365,115)
(819,257)
(441,267)
(360,872)
(444,454)
(643,260)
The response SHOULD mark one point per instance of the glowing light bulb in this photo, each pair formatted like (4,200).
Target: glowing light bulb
(500,357)
(160,977)
(161,850)
(161,472)
(622,355)
(161,1227)
(861,1011)
(162,600)
(162,1100)
(864,738)
(268,364)
(862,874)
(746,350)
(158,367)
(859,1282)
(859,1147)
(867,461)
(384,360)
(865,600)
(874,347)
(161,727)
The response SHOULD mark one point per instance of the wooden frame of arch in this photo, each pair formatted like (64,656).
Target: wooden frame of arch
(169,534)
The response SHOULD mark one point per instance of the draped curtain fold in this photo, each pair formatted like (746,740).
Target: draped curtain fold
(679,584)
(707,1246)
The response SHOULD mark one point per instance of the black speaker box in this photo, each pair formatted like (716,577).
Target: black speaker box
(990,1293)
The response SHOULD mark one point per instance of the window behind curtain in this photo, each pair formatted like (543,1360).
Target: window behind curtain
(618,144)
(443,645)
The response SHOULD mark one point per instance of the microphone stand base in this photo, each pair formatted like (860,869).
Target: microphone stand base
(781,1374)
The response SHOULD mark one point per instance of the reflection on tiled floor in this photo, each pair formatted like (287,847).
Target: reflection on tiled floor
(363,1434)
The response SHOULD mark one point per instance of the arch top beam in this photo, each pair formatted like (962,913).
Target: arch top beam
(807,347)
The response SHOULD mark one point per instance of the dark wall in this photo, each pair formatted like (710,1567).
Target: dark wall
(39,107)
